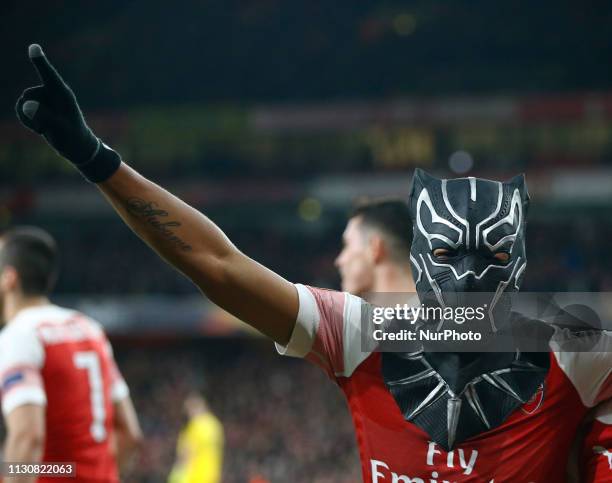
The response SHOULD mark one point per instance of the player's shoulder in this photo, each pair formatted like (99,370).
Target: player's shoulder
(567,342)
(586,359)
(331,311)
(322,300)
(25,323)
(563,340)
(208,420)
(20,341)
(32,317)
(207,426)
(37,321)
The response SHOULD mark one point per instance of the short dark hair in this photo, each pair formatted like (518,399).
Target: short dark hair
(391,217)
(32,252)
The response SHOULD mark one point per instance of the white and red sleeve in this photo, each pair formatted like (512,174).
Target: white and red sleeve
(119,388)
(586,360)
(21,358)
(328,330)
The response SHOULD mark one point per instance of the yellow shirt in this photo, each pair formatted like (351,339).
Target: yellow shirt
(200,451)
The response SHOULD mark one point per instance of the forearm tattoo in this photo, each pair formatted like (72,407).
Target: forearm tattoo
(151,213)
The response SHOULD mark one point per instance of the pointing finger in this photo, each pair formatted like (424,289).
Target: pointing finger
(47,73)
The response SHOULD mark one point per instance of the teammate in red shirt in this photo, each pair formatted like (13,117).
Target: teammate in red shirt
(63,398)
(419,416)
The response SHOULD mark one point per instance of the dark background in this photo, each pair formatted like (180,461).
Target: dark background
(272,117)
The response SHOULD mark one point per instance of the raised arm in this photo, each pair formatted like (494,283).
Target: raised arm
(193,244)
(181,235)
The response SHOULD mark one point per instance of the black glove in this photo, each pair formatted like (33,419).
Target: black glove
(51,110)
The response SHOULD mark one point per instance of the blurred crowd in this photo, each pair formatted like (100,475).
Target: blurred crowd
(124,265)
(269,49)
(283,420)
(564,255)
(570,256)
(214,69)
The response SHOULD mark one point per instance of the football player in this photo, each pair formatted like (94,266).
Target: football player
(63,398)
(375,254)
(199,451)
(419,416)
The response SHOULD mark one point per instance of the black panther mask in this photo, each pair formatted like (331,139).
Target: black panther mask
(453,396)
(480,225)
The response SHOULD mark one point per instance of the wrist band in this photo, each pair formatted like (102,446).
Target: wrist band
(102,165)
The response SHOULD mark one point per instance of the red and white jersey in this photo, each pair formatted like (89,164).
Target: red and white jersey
(531,445)
(62,359)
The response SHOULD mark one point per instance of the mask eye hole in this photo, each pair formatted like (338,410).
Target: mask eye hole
(503,257)
(444,253)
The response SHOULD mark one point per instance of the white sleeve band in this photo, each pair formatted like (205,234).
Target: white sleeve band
(306,325)
(20,396)
(353,355)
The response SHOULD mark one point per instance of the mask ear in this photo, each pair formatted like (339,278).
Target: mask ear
(424,177)
(519,182)
(420,180)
